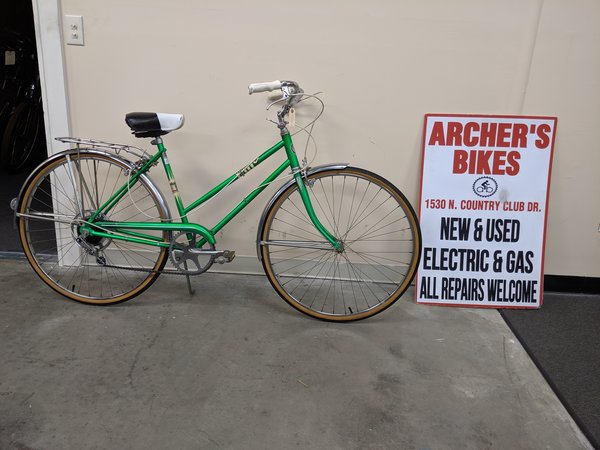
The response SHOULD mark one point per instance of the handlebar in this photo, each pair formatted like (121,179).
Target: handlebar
(291,91)
(264,87)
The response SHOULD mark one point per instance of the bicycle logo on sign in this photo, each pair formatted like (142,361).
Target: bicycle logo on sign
(485,186)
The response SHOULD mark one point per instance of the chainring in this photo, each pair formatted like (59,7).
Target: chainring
(185,254)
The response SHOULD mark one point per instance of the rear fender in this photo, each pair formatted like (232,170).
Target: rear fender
(16,202)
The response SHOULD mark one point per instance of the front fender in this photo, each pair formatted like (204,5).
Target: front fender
(310,171)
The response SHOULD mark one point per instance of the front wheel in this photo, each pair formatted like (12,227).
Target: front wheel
(381,245)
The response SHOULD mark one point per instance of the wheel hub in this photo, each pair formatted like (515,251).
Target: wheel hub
(82,236)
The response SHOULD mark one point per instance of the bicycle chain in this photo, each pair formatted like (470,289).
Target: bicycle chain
(101,261)
(140,269)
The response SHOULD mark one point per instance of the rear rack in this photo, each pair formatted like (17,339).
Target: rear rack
(117,148)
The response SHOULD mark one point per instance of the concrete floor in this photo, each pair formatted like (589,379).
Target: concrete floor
(235,367)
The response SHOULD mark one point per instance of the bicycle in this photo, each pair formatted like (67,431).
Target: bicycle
(21,115)
(485,188)
(336,242)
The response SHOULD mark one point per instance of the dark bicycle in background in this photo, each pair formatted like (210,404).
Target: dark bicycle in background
(22,135)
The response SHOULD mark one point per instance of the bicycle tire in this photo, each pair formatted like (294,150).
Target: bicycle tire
(20,136)
(6,108)
(380,233)
(52,202)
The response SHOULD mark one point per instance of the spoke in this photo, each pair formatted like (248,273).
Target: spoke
(381,258)
(322,283)
(316,277)
(366,259)
(295,257)
(63,255)
(94,163)
(352,203)
(361,283)
(293,226)
(303,276)
(286,249)
(142,211)
(335,258)
(304,218)
(124,206)
(105,181)
(62,190)
(409,239)
(289,269)
(348,266)
(367,215)
(359,204)
(76,270)
(53,199)
(341,200)
(366,233)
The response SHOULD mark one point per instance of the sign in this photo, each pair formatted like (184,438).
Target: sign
(483,210)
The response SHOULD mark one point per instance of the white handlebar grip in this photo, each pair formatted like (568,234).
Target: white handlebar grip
(264,87)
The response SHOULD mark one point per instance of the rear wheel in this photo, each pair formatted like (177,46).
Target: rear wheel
(381,245)
(59,197)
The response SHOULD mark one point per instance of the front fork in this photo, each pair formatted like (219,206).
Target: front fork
(291,154)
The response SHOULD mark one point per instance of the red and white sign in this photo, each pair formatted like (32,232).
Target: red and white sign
(483,210)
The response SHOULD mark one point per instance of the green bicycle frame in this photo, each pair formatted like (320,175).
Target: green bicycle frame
(133,231)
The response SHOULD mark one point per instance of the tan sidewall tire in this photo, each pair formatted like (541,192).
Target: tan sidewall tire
(384,305)
(42,171)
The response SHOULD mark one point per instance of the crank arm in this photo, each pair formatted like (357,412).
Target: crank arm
(200,251)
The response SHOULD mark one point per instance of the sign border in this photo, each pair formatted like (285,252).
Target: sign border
(498,116)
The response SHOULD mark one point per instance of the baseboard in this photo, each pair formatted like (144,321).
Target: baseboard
(11,255)
(250,265)
(566,283)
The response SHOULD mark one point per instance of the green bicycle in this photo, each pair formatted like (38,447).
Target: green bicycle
(336,242)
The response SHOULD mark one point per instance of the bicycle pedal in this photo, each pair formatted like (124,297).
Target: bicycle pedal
(226,257)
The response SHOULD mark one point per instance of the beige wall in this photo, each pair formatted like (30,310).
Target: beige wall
(381,65)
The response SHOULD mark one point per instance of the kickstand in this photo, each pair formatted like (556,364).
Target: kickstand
(189,283)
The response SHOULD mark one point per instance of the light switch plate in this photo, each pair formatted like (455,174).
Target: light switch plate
(73,30)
